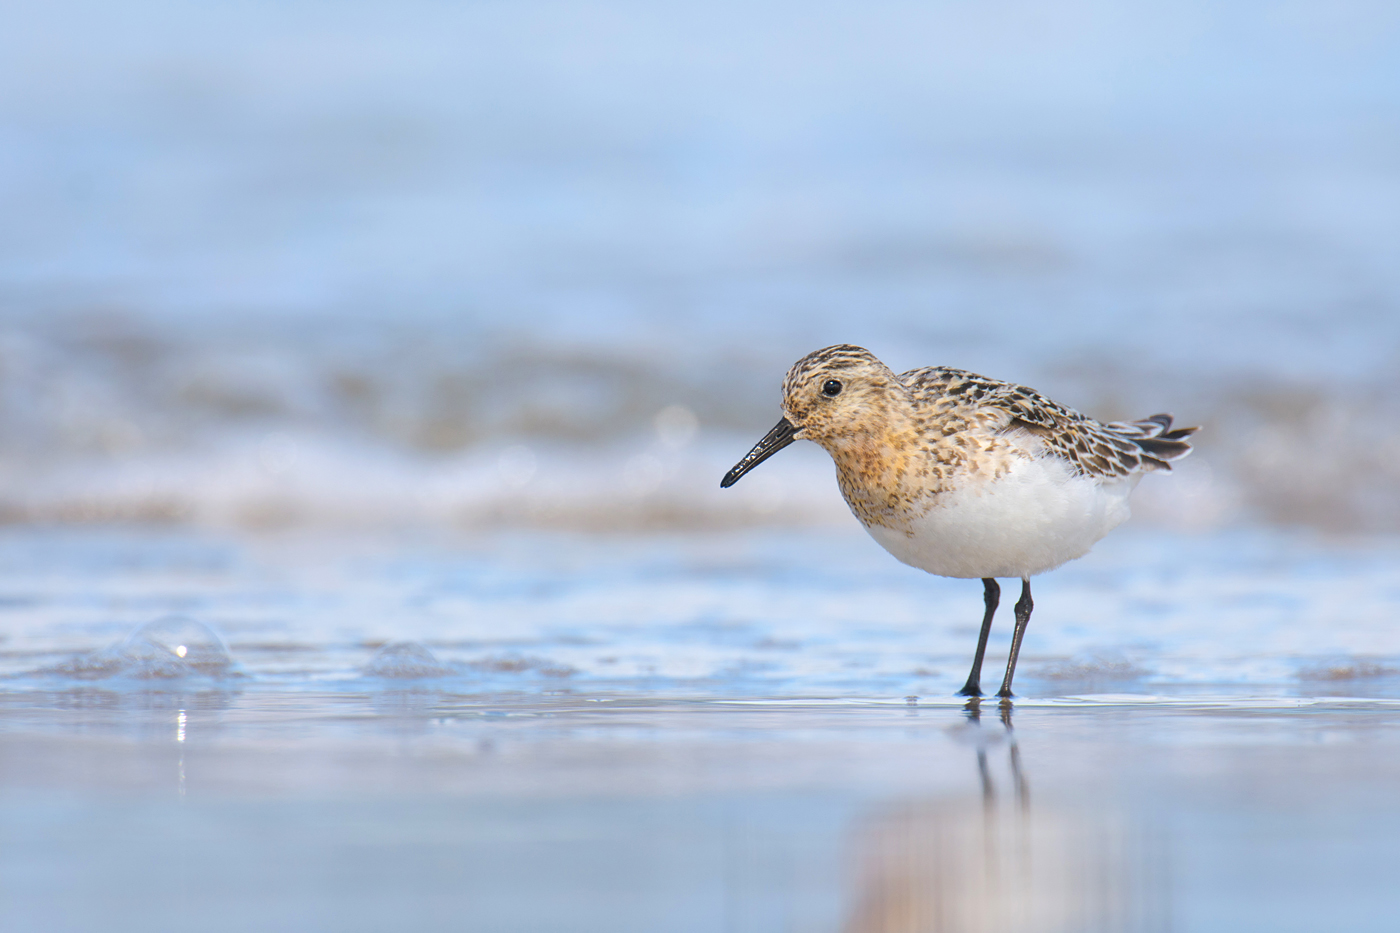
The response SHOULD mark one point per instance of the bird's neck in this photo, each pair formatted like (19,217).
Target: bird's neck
(882,465)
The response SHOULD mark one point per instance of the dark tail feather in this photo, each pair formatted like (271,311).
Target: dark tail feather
(1159,443)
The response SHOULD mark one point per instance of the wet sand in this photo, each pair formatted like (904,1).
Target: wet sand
(691,733)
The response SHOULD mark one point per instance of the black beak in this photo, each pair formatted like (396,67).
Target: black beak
(775,440)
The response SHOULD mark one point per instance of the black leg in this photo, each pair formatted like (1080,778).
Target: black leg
(1023,616)
(991,593)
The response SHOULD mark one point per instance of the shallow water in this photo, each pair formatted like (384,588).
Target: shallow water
(740,731)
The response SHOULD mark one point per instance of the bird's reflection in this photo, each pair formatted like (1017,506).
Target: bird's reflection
(999,863)
(973,710)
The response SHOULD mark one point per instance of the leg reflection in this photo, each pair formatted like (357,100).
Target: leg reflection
(973,711)
(1023,788)
(946,864)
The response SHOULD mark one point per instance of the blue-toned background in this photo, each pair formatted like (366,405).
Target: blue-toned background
(396,350)
(277,263)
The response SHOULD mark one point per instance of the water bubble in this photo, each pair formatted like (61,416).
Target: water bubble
(191,643)
(406,660)
(168,648)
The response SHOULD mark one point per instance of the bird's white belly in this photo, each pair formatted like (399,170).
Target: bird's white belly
(1033,519)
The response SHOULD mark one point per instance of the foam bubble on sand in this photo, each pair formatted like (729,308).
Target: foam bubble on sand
(1092,668)
(1347,669)
(406,660)
(513,664)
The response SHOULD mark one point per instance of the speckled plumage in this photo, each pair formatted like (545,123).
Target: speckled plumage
(965,476)
(903,442)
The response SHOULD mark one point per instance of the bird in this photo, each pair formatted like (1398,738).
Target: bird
(965,476)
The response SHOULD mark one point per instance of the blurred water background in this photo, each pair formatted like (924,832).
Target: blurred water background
(452,264)
(366,377)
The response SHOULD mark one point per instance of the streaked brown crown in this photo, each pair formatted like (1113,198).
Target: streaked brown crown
(867,386)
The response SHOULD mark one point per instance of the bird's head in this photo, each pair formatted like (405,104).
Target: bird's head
(833,396)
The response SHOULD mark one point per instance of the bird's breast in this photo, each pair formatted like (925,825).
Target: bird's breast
(893,479)
(1026,518)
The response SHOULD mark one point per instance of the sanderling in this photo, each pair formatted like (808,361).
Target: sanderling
(965,476)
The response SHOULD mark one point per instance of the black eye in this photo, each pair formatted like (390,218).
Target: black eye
(831,389)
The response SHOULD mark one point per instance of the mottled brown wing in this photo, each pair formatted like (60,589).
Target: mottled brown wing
(1094,449)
